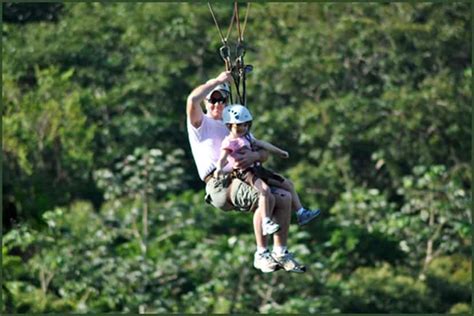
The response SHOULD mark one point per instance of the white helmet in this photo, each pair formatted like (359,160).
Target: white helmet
(236,114)
(223,88)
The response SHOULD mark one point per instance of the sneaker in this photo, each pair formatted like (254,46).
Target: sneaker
(306,216)
(287,262)
(269,227)
(265,262)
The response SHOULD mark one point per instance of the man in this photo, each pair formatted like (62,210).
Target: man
(206,132)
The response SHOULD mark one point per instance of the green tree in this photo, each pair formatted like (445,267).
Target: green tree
(47,142)
(372,101)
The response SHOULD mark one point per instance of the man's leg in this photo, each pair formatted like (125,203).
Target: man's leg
(246,198)
(282,215)
(303,215)
(288,186)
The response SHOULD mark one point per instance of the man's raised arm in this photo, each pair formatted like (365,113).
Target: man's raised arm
(193,103)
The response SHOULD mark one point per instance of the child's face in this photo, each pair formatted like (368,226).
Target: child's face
(239,129)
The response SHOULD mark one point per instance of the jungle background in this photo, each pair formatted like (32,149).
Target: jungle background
(103,208)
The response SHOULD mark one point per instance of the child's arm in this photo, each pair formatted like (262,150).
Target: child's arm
(221,163)
(271,148)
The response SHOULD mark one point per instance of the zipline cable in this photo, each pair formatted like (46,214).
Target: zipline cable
(238,69)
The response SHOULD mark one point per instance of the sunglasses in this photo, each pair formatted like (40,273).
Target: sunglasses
(216,100)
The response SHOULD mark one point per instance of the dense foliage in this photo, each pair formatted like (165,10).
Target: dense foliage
(102,206)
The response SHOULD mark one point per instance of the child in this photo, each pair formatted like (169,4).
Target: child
(238,119)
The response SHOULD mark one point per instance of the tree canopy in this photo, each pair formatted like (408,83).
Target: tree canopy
(103,209)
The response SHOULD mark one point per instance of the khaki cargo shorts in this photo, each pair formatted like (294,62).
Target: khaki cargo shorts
(243,197)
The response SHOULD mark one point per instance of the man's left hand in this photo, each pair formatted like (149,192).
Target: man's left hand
(244,158)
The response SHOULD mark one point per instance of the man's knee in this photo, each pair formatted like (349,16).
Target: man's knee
(288,184)
(282,198)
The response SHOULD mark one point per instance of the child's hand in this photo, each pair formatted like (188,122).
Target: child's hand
(218,173)
(284,154)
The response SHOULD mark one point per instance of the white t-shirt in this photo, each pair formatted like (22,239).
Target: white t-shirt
(206,143)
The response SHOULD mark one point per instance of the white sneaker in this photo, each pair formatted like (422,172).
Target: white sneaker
(287,262)
(265,262)
(306,216)
(269,227)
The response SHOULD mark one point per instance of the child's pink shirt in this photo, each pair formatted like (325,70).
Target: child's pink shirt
(233,145)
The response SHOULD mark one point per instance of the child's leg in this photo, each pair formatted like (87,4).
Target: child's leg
(288,186)
(268,226)
(264,198)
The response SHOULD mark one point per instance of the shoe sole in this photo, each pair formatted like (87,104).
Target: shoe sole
(309,220)
(267,270)
(301,270)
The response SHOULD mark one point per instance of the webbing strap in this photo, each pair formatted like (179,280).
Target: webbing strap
(223,39)
(217,24)
(245,20)
(236,11)
(237,18)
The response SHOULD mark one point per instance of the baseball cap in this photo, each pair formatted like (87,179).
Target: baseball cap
(223,88)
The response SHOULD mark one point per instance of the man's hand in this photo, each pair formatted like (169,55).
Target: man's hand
(244,158)
(224,76)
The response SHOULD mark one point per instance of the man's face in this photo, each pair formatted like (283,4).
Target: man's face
(215,105)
